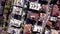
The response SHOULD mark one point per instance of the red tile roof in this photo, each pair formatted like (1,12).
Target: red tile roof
(42,15)
(58,24)
(27,28)
(49,23)
(55,10)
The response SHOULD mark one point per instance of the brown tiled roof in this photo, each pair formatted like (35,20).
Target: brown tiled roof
(27,28)
(58,25)
(49,23)
(54,31)
(55,10)
(42,15)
